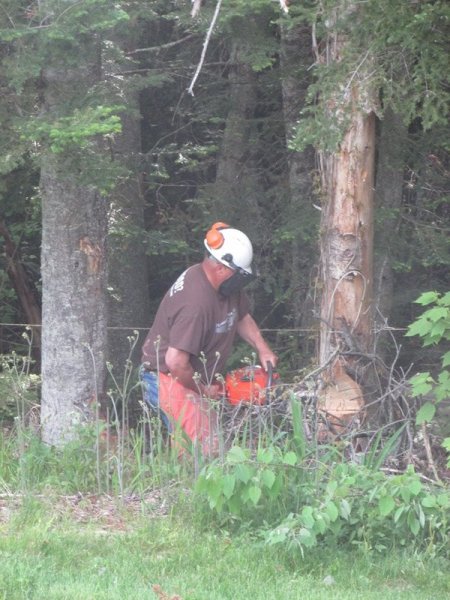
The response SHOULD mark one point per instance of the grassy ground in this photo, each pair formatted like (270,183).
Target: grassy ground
(83,548)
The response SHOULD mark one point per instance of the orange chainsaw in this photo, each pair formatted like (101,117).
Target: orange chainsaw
(250,385)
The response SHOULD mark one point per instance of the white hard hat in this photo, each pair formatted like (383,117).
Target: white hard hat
(230,246)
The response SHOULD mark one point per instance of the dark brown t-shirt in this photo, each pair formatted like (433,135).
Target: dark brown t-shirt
(195,318)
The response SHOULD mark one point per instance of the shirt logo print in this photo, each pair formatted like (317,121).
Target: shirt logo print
(178,286)
(227,323)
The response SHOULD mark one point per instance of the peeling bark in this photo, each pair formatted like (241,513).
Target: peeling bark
(347,238)
(347,241)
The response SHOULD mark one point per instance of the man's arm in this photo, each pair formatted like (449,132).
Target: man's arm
(249,331)
(179,364)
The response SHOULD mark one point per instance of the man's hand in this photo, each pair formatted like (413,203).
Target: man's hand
(266,357)
(180,367)
(215,391)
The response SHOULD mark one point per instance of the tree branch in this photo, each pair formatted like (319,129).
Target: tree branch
(190,89)
(163,46)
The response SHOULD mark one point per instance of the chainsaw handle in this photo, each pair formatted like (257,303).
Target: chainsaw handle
(269,366)
(269,379)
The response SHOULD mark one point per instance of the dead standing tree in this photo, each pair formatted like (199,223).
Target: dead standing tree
(346,242)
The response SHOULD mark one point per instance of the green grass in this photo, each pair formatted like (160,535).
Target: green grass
(48,554)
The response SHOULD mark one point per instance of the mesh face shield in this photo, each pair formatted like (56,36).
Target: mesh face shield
(237,281)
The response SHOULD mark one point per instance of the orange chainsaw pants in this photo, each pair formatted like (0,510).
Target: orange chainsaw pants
(189,412)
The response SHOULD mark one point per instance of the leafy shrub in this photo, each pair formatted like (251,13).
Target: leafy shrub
(369,509)
(433,326)
(300,504)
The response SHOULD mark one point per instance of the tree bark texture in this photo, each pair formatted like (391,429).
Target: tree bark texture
(236,184)
(74,268)
(74,305)
(346,312)
(347,242)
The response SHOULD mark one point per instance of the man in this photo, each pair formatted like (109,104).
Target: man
(192,335)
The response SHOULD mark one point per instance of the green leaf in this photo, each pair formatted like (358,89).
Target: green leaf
(306,537)
(420,327)
(422,383)
(446,359)
(413,523)
(429,501)
(443,500)
(229,483)
(398,513)
(426,413)
(265,455)
(386,505)
(438,330)
(427,298)
(278,535)
(243,473)
(415,487)
(290,458)
(332,511)
(320,525)
(307,517)
(268,478)
(421,516)
(345,509)
(236,455)
(254,493)
(436,313)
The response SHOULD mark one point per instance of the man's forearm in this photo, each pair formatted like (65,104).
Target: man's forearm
(249,332)
(181,369)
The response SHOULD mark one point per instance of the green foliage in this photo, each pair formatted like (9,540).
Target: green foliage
(433,327)
(446,446)
(75,130)
(388,49)
(241,484)
(367,508)
(338,504)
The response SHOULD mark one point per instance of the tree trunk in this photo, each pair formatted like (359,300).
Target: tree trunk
(388,198)
(128,278)
(347,248)
(347,242)
(236,184)
(74,267)
(296,58)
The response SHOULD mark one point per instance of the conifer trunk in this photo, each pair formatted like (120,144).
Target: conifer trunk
(296,58)
(74,267)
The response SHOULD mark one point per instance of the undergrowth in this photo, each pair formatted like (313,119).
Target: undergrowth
(287,490)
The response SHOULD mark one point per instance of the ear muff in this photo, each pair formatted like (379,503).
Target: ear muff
(214,237)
